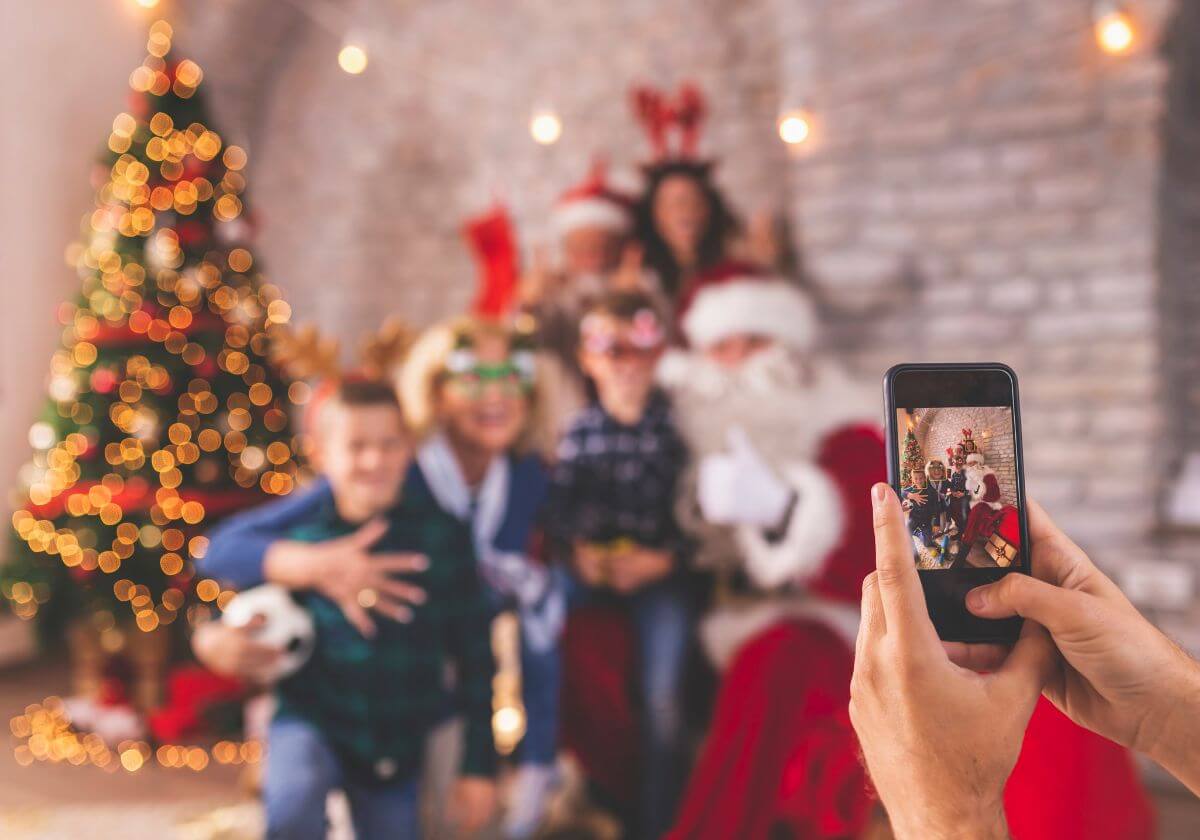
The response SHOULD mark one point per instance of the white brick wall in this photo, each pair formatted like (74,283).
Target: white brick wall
(980,184)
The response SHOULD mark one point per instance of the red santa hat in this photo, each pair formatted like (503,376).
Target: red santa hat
(593,203)
(738,299)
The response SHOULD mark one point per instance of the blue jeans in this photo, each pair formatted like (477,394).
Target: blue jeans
(662,624)
(302,770)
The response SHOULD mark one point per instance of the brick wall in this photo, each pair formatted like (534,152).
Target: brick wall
(981,182)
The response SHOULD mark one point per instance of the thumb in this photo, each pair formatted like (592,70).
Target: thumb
(1032,660)
(1058,610)
(368,534)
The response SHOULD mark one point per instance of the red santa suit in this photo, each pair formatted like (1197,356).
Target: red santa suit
(780,753)
(781,758)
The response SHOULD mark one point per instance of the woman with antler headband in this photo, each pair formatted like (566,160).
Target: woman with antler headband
(682,221)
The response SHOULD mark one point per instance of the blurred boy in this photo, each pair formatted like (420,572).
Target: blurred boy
(612,497)
(357,714)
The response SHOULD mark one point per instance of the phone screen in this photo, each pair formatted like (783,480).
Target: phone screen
(958,485)
(954,457)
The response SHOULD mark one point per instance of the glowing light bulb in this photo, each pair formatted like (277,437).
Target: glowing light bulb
(147,4)
(353,59)
(1114,29)
(794,127)
(545,127)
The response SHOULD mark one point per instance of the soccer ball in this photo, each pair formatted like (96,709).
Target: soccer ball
(287,626)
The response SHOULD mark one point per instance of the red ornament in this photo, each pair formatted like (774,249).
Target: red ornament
(192,233)
(103,380)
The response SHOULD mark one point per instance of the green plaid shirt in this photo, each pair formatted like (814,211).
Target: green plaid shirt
(377,699)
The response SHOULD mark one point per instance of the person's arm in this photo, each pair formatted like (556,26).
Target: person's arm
(1121,676)
(238,546)
(939,740)
(250,548)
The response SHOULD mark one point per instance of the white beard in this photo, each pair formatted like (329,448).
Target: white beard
(765,373)
(975,486)
(785,402)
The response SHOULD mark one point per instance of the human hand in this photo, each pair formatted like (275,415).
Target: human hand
(591,563)
(738,487)
(346,572)
(1118,675)
(638,567)
(473,802)
(628,276)
(535,285)
(233,651)
(939,739)
(916,498)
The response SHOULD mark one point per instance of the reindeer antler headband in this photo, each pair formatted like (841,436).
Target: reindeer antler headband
(661,115)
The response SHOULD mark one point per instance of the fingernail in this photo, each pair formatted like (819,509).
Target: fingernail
(977,598)
(878,494)
(421,562)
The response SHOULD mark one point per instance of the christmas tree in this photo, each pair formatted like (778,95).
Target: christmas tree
(164,410)
(912,457)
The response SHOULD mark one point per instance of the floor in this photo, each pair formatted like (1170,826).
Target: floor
(53,802)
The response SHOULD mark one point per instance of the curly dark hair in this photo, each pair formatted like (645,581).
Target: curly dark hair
(722,223)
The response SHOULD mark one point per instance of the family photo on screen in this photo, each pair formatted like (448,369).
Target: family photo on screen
(958,486)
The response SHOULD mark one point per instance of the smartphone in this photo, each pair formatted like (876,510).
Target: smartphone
(954,458)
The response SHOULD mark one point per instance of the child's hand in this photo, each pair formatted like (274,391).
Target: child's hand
(638,567)
(472,802)
(591,563)
(233,651)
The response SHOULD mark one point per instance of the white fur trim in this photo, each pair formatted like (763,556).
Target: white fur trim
(727,629)
(590,212)
(770,308)
(815,530)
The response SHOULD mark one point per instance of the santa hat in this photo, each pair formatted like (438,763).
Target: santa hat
(738,300)
(592,203)
(975,460)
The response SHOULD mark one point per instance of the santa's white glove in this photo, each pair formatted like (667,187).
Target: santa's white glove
(739,488)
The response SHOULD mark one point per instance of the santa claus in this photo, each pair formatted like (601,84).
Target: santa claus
(785,451)
(983,489)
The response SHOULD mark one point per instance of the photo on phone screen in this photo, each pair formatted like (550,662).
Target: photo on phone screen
(958,479)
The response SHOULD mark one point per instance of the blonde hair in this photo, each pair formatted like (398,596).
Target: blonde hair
(425,369)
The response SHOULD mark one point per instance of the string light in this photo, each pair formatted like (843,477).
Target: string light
(545,127)
(794,127)
(44,732)
(1113,27)
(353,59)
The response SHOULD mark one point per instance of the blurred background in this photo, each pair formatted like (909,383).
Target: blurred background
(1006,180)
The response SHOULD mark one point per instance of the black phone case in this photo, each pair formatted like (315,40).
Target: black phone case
(946,589)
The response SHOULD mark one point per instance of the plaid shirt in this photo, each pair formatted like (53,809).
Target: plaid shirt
(613,481)
(377,699)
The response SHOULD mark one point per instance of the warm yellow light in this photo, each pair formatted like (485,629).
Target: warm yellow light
(794,128)
(353,59)
(147,4)
(1114,31)
(545,127)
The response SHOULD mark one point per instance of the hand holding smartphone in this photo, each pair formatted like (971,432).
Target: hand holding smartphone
(954,458)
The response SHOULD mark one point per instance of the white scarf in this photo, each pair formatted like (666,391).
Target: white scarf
(542,605)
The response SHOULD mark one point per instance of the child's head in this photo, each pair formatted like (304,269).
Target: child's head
(918,477)
(622,338)
(362,446)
